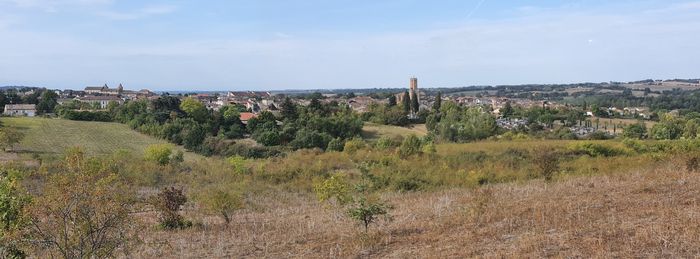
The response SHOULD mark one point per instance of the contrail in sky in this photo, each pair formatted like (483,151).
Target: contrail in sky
(481,2)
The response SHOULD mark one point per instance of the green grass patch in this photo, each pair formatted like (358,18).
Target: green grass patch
(46,136)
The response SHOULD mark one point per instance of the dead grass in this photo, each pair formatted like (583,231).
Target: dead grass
(644,214)
(375,131)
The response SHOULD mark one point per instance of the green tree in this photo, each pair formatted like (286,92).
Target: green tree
(406,102)
(47,102)
(358,203)
(636,131)
(438,102)
(367,211)
(9,137)
(289,109)
(193,137)
(159,153)
(507,111)
(194,109)
(392,101)
(223,201)
(415,106)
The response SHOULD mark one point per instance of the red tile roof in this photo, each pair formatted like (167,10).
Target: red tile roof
(245,116)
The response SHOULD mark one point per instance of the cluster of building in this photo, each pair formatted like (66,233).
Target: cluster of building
(101,96)
(95,96)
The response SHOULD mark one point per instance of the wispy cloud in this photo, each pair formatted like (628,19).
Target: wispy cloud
(139,13)
(56,5)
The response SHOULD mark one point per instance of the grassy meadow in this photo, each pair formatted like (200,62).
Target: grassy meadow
(49,137)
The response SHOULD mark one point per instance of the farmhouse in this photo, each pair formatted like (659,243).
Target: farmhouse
(20,110)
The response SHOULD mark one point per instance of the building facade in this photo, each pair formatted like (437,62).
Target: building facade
(28,110)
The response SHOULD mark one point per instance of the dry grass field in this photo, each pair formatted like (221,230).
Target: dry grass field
(652,213)
(623,206)
(375,131)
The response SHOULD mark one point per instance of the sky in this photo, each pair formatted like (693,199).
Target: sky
(313,44)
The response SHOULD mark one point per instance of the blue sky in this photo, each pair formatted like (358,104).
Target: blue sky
(305,44)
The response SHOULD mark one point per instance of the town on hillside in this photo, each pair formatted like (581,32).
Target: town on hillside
(599,107)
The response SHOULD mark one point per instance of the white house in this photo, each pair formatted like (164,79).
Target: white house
(103,101)
(20,110)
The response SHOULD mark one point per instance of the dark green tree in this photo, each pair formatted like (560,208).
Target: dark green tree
(406,102)
(438,102)
(415,106)
(47,102)
(392,100)
(507,110)
(289,109)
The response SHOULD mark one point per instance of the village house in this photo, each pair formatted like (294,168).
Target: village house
(102,101)
(20,110)
(246,116)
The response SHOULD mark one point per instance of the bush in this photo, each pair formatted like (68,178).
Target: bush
(159,153)
(368,211)
(547,163)
(595,149)
(13,201)
(238,163)
(223,201)
(168,203)
(384,143)
(410,146)
(354,145)
(337,144)
(84,210)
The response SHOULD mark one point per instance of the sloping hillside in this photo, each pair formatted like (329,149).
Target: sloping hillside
(52,136)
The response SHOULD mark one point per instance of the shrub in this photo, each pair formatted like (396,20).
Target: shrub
(9,137)
(384,143)
(547,162)
(223,201)
(410,146)
(337,144)
(159,153)
(359,206)
(168,203)
(429,148)
(238,163)
(692,164)
(354,145)
(368,211)
(13,200)
(595,149)
(178,157)
(84,210)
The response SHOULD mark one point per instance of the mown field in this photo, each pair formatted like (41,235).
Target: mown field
(53,136)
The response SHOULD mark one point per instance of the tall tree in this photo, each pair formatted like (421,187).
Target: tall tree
(507,110)
(289,109)
(438,102)
(392,100)
(414,102)
(47,102)
(406,102)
